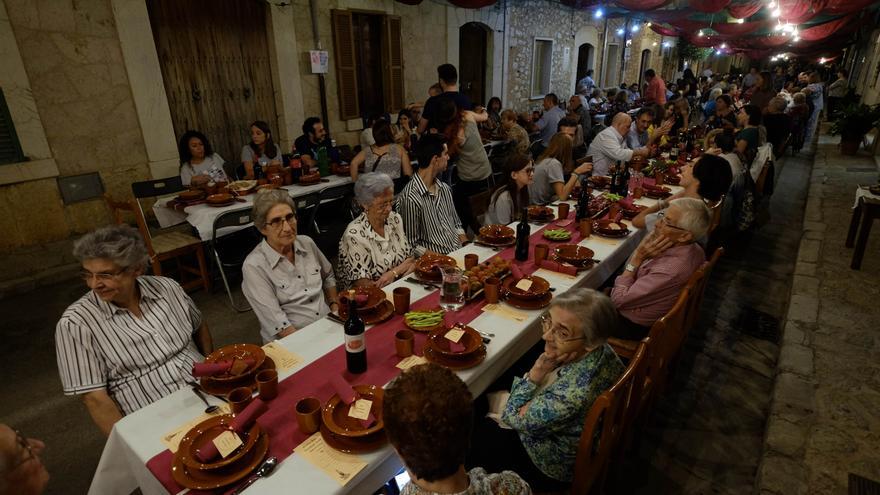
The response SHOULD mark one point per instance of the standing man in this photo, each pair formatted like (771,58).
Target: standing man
(751,78)
(448,76)
(585,86)
(429,217)
(656,90)
(609,146)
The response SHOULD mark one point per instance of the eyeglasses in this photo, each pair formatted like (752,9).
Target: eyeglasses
(26,449)
(87,276)
(276,223)
(383,205)
(561,334)
(528,170)
(671,226)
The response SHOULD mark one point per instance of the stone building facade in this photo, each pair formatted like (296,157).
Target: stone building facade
(84,87)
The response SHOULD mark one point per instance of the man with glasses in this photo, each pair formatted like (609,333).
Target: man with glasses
(660,267)
(286,279)
(133,338)
(21,471)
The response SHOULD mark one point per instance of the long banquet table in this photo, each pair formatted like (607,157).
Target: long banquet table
(202,216)
(136,438)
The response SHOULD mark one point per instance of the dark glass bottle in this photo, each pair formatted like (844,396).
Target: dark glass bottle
(258,171)
(623,188)
(583,205)
(616,177)
(355,343)
(523,230)
(296,167)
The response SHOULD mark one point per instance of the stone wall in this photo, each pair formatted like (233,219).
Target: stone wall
(74,64)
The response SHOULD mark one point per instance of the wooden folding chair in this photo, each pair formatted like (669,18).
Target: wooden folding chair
(480,204)
(603,426)
(166,246)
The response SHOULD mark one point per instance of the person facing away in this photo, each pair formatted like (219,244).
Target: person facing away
(428,415)
(448,76)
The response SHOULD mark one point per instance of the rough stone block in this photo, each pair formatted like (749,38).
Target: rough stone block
(808,286)
(780,474)
(803,308)
(797,359)
(813,235)
(786,437)
(817,226)
(793,392)
(809,250)
(794,333)
(803,268)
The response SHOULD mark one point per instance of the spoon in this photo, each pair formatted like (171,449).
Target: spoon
(264,470)
(211,408)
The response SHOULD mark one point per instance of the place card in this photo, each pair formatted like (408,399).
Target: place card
(360,409)
(505,312)
(409,362)
(172,439)
(284,359)
(454,334)
(227,442)
(524,284)
(339,466)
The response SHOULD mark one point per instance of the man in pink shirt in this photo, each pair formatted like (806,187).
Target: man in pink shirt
(656,91)
(660,267)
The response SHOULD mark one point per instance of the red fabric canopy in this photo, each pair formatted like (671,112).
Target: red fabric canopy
(734,29)
(689,26)
(745,9)
(709,6)
(641,5)
(846,6)
(825,30)
(664,31)
(798,11)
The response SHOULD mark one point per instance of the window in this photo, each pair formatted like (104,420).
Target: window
(369,63)
(542,57)
(10,148)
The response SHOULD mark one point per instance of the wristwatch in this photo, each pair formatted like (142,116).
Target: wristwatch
(631,268)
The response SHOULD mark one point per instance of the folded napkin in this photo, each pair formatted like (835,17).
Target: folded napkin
(220,367)
(242,421)
(348,395)
(456,346)
(558,267)
(516,273)
(565,223)
(649,181)
(626,203)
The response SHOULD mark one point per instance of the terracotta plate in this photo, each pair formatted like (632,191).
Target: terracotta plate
(336,419)
(471,340)
(496,232)
(456,364)
(353,445)
(500,242)
(601,228)
(222,388)
(574,254)
(540,287)
(367,299)
(631,213)
(209,480)
(206,431)
(425,329)
(530,303)
(237,351)
(541,214)
(382,312)
(427,267)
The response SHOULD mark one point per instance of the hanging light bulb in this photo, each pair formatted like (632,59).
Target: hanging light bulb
(717,52)
(787,27)
(598,14)
(700,34)
(740,21)
(648,25)
(822,60)
(635,28)
(666,44)
(776,12)
(620,32)
(655,44)
(778,27)
(772,5)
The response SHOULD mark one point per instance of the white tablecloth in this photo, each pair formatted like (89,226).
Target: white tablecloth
(136,438)
(202,216)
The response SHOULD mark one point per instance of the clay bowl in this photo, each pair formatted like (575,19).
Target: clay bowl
(496,233)
(610,228)
(208,430)
(337,420)
(237,351)
(539,288)
(242,187)
(219,199)
(367,298)
(428,266)
(574,254)
(541,213)
(471,340)
(191,195)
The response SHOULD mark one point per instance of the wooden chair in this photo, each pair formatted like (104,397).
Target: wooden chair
(165,246)
(697,285)
(603,426)
(716,210)
(480,204)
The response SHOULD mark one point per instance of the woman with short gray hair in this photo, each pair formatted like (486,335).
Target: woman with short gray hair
(286,279)
(547,406)
(133,338)
(374,250)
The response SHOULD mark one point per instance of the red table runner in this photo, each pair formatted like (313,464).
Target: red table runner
(279,422)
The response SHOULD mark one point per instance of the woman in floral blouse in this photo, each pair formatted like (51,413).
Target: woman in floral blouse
(546,408)
(374,249)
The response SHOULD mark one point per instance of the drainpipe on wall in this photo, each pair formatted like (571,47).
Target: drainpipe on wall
(604,52)
(623,51)
(322,87)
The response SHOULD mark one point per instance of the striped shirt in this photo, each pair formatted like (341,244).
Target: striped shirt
(429,219)
(137,360)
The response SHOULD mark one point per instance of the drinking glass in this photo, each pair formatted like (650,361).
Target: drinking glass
(452,290)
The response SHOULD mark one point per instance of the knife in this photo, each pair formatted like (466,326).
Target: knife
(336,318)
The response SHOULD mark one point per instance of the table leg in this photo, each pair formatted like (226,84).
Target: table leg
(853,225)
(868,215)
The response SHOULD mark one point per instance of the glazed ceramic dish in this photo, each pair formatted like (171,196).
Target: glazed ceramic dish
(237,351)
(496,233)
(574,254)
(367,298)
(353,445)
(206,431)
(471,340)
(336,419)
(539,288)
(606,228)
(382,312)
(207,384)
(195,479)
(456,364)
(542,302)
(428,266)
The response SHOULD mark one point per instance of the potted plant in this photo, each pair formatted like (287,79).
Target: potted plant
(852,122)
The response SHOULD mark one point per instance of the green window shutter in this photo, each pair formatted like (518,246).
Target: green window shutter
(10,148)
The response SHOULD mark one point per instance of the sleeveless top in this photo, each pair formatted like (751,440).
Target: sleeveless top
(472,162)
(387,163)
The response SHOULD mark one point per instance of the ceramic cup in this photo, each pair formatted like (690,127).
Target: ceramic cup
(401,300)
(541,251)
(470,261)
(562,210)
(308,415)
(586,227)
(403,342)
(267,384)
(239,398)
(491,287)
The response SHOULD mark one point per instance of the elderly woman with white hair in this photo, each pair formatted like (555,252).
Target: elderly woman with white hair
(133,338)
(286,279)
(374,250)
(660,267)
(546,408)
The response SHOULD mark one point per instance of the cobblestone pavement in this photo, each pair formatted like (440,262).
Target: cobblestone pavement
(824,420)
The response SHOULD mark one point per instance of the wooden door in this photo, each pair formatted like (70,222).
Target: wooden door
(214,56)
(472,41)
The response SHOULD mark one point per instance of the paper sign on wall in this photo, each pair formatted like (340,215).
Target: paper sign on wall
(320,60)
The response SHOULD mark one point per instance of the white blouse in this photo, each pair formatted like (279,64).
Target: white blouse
(363,253)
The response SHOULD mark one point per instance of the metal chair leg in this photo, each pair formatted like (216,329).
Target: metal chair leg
(242,309)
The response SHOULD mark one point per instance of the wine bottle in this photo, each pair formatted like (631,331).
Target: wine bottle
(623,189)
(355,343)
(523,230)
(583,205)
